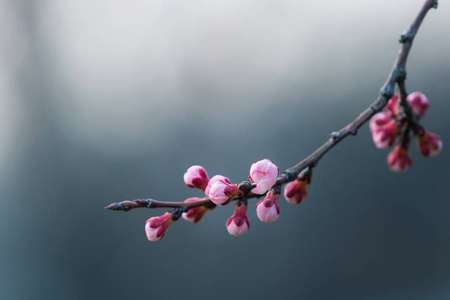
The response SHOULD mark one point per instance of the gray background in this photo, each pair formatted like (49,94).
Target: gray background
(102,101)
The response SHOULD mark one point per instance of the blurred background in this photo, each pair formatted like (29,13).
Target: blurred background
(102,101)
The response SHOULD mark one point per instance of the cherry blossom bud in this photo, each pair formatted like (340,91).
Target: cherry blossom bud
(156,227)
(399,159)
(392,105)
(238,223)
(296,191)
(419,103)
(214,180)
(194,214)
(222,191)
(264,173)
(268,210)
(384,130)
(196,177)
(429,144)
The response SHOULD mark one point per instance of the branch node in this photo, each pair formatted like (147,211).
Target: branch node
(176,213)
(242,201)
(400,73)
(405,38)
(306,175)
(335,135)
(289,176)
(245,187)
(144,202)
(276,189)
(386,93)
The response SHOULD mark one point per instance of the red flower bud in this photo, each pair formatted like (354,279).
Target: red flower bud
(419,103)
(399,159)
(194,214)
(156,227)
(214,180)
(221,191)
(268,210)
(196,177)
(238,223)
(429,144)
(392,105)
(296,191)
(384,130)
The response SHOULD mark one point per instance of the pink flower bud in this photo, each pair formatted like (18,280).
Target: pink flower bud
(196,177)
(392,105)
(214,180)
(419,103)
(296,191)
(238,223)
(429,144)
(194,214)
(384,130)
(222,192)
(264,173)
(399,160)
(156,227)
(268,210)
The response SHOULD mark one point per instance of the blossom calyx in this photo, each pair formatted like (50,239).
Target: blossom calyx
(429,144)
(196,177)
(264,173)
(384,130)
(238,223)
(399,159)
(194,214)
(156,227)
(268,210)
(419,103)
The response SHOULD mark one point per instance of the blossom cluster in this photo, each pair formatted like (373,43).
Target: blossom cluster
(394,125)
(221,191)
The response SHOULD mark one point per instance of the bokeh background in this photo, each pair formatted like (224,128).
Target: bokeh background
(102,101)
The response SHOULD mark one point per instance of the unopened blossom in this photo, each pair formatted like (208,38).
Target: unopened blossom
(268,210)
(222,191)
(296,191)
(419,103)
(196,177)
(399,159)
(384,130)
(156,227)
(214,180)
(264,173)
(194,214)
(392,106)
(429,144)
(238,223)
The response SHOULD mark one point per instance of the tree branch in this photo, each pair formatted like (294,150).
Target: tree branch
(396,76)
